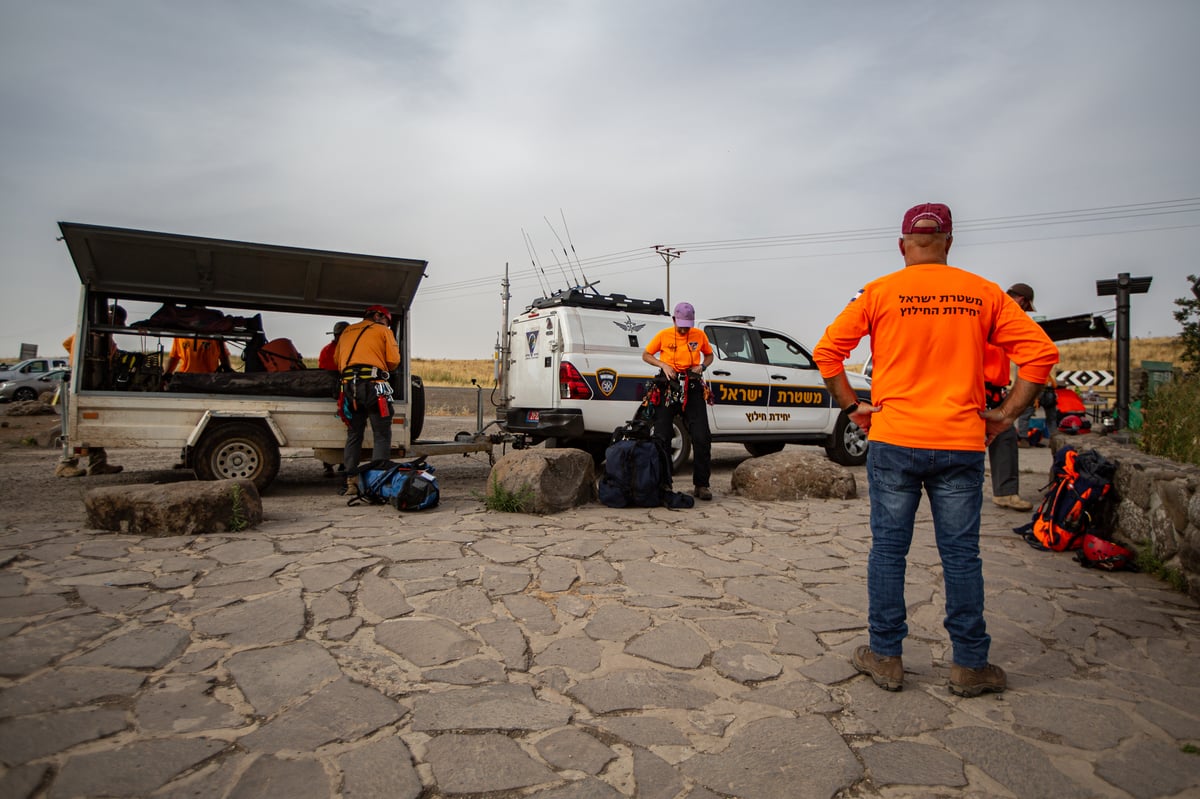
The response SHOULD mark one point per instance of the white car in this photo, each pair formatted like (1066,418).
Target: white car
(574,373)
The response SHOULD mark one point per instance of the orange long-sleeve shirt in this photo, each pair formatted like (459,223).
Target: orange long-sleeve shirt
(376,346)
(928,325)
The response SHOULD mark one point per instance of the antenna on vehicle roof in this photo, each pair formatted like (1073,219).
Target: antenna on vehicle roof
(578,282)
(537,267)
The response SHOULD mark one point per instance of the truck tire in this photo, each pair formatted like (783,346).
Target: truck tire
(759,448)
(24,394)
(681,444)
(237,450)
(416,409)
(848,444)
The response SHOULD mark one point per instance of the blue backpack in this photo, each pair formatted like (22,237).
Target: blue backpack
(404,486)
(637,472)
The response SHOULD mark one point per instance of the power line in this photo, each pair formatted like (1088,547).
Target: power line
(605,263)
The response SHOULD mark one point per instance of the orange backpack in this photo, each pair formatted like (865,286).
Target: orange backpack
(1074,503)
(280,355)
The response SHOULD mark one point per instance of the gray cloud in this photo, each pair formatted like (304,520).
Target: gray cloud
(443,130)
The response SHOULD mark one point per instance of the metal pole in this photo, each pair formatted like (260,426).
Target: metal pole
(1123,351)
(503,346)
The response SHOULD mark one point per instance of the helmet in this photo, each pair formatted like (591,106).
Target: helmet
(1070,424)
(374,309)
(1102,554)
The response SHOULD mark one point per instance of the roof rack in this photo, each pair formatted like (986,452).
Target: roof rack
(739,318)
(614,302)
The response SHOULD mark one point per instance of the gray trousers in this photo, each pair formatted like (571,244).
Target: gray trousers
(381,427)
(1003,457)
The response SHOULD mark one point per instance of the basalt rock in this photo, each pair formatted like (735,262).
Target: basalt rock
(793,474)
(552,480)
(175,509)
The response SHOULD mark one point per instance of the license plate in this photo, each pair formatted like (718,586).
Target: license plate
(533,416)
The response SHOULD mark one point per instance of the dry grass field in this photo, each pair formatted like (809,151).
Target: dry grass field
(1099,354)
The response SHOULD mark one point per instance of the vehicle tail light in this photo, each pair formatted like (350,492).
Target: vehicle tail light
(571,384)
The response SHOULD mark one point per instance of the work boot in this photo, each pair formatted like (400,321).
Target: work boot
(69,469)
(1012,502)
(702,492)
(887,672)
(973,682)
(104,468)
(350,489)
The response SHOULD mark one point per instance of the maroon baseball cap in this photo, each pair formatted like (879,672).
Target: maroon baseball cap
(937,212)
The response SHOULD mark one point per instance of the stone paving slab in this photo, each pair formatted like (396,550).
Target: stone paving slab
(353,652)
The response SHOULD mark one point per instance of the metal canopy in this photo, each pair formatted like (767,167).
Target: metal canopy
(148,265)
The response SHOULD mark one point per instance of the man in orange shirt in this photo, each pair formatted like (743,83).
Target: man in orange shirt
(367,354)
(928,429)
(197,356)
(684,350)
(1003,452)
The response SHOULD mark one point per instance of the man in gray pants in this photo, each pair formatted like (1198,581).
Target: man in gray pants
(1002,452)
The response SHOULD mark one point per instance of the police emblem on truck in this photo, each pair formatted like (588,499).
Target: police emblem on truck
(606,379)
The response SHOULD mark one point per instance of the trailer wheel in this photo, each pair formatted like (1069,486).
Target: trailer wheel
(237,450)
(416,409)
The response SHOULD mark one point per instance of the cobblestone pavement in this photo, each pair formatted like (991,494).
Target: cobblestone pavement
(595,653)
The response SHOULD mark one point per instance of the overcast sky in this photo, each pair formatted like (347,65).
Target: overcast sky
(777,143)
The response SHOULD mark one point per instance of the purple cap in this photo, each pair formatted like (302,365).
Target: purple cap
(685,315)
(937,213)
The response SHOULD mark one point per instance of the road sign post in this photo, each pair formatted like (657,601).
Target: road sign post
(1122,287)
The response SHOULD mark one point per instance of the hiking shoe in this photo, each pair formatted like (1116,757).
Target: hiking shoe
(66,469)
(1012,502)
(887,672)
(973,682)
(350,489)
(104,468)
(702,492)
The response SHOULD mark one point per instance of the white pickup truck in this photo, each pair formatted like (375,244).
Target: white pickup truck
(573,372)
(226,425)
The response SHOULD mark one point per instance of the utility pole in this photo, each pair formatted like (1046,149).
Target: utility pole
(668,254)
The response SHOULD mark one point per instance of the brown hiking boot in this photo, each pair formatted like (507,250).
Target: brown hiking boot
(887,672)
(1012,501)
(68,469)
(702,492)
(350,489)
(104,468)
(973,682)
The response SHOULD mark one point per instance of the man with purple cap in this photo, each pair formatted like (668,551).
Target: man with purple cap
(684,353)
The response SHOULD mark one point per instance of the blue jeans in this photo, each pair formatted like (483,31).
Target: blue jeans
(954,482)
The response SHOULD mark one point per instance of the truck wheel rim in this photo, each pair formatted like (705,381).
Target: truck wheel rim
(855,439)
(236,459)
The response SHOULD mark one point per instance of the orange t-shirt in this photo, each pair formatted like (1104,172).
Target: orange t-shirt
(997,368)
(376,347)
(198,355)
(928,325)
(680,351)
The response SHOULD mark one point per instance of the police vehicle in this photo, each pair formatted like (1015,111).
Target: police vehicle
(572,372)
